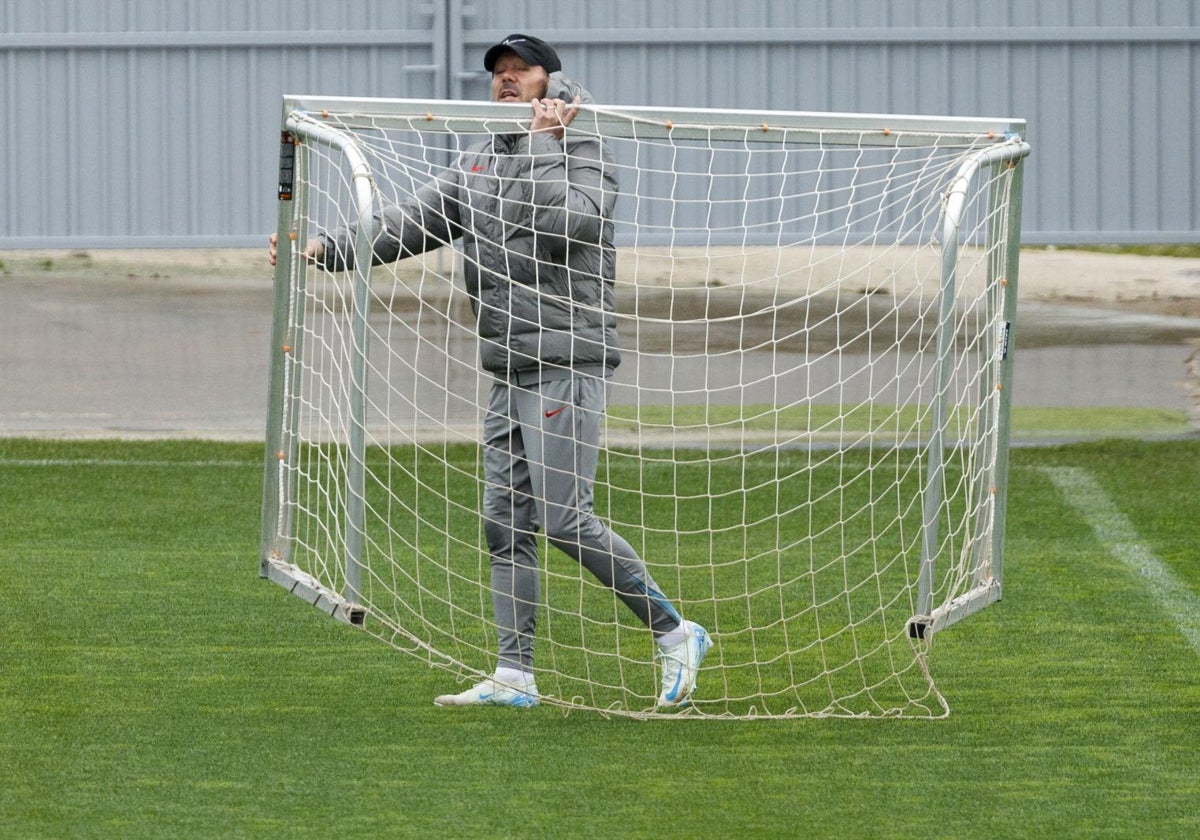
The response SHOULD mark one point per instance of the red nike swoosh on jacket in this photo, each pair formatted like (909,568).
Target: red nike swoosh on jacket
(554,411)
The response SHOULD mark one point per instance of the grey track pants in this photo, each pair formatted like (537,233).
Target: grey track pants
(541,449)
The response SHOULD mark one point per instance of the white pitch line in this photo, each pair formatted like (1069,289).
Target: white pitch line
(1117,534)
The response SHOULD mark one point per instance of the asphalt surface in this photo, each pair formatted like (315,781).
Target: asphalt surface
(176,346)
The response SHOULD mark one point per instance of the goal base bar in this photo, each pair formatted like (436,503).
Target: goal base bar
(955,610)
(310,590)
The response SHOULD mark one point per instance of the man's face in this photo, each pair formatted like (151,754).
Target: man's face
(515,81)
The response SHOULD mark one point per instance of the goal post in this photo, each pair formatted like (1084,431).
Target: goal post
(806,439)
(1003,226)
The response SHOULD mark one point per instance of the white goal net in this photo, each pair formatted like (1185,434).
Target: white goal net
(805,439)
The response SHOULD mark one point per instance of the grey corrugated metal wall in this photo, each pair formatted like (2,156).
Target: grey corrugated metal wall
(155,123)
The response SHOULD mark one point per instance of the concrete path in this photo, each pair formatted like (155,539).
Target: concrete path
(175,344)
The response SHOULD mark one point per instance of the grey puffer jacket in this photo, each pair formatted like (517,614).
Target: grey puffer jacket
(534,214)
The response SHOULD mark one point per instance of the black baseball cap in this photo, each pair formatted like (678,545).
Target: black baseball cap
(533,51)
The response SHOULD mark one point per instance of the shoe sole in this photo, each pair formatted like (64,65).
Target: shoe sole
(525,702)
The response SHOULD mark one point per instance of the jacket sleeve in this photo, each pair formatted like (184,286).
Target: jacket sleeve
(428,219)
(574,187)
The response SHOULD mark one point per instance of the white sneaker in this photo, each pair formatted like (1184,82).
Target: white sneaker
(681,663)
(492,692)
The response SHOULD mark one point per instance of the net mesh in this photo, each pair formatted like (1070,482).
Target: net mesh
(768,447)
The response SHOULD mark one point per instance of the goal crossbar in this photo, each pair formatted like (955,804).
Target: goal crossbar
(645,122)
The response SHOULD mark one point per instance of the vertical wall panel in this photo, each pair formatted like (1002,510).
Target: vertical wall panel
(154,122)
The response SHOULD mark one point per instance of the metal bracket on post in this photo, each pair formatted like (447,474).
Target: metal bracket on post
(287,165)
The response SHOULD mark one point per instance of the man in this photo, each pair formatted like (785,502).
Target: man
(534,213)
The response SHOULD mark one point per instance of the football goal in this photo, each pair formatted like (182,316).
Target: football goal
(805,440)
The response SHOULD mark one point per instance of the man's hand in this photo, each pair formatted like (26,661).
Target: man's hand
(553,115)
(314,252)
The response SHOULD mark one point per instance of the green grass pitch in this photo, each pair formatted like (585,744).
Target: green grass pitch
(152,685)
